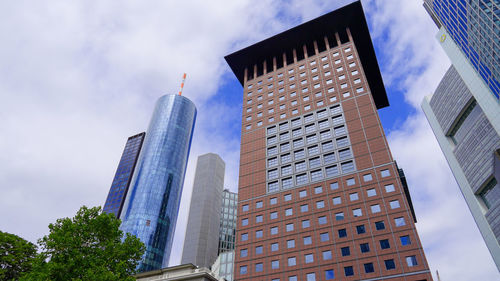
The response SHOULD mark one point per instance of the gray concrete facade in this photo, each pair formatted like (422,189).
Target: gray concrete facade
(202,234)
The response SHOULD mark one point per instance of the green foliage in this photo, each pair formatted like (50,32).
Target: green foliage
(16,256)
(87,247)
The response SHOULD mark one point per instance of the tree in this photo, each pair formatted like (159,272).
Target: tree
(89,246)
(16,256)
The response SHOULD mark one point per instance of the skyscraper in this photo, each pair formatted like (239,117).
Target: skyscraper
(320,196)
(152,202)
(464,111)
(123,175)
(202,232)
(227,228)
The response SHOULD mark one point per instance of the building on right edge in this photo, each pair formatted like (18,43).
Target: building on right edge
(320,196)
(464,111)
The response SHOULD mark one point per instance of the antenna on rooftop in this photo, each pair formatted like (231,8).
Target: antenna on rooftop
(182,84)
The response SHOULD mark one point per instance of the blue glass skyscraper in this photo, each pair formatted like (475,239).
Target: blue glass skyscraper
(152,203)
(123,175)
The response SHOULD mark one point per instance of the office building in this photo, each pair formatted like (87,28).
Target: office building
(152,203)
(464,111)
(202,232)
(320,196)
(123,175)
(223,266)
(185,272)
(227,228)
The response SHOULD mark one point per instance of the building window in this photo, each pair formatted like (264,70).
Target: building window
(292,278)
(340,131)
(307,240)
(329,274)
(389,264)
(320,204)
(286,170)
(342,232)
(389,188)
(352,64)
(285,147)
(367,177)
(309,258)
(244,222)
(316,175)
(371,192)
(400,221)
(353,196)
(244,236)
(343,141)
(379,225)
(354,72)
(411,261)
(357,212)
(326,146)
(369,267)
(245,208)
(364,247)
(324,237)
(243,269)
(292,261)
(274,247)
(275,264)
(303,193)
(272,174)
(357,81)
(258,250)
(375,208)
(274,230)
(394,204)
(258,219)
(359,90)
(384,244)
(322,220)
(341,77)
(273,186)
(334,185)
(337,201)
(300,166)
(304,208)
(299,154)
(405,240)
(289,227)
(313,150)
(306,223)
(339,216)
(244,253)
(258,234)
(288,212)
(286,158)
(258,267)
(288,197)
(327,255)
(385,173)
(360,229)
(350,182)
(273,215)
(348,271)
(339,69)
(290,243)
(301,179)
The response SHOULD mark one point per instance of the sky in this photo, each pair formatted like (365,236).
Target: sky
(77,78)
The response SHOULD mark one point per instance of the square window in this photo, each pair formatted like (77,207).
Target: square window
(384,244)
(327,255)
(288,197)
(288,212)
(337,201)
(400,221)
(394,204)
(306,223)
(244,253)
(258,250)
(320,204)
(389,188)
(357,212)
(375,208)
(322,220)
(411,261)
(345,251)
(324,236)
(244,236)
(361,229)
(367,177)
(334,185)
(273,201)
(275,264)
(353,196)
(350,182)
(274,230)
(364,247)
(292,278)
(369,267)
(329,274)
(304,208)
(289,227)
(259,267)
(318,190)
(385,173)
(245,208)
(258,219)
(379,225)
(244,222)
(303,193)
(309,258)
(290,243)
(348,271)
(258,234)
(274,247)
(371,192)
(405,240)
(311,277)
(292,261)
(389,264)
(307,240)
(243,269)
(342,233)
(339,216)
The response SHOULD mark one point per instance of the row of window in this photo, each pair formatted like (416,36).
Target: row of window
(333,186)
(320,204)
(326,254)
(322,220)
(389,264)
(291,71)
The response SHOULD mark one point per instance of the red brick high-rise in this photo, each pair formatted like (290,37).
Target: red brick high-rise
(320,196)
